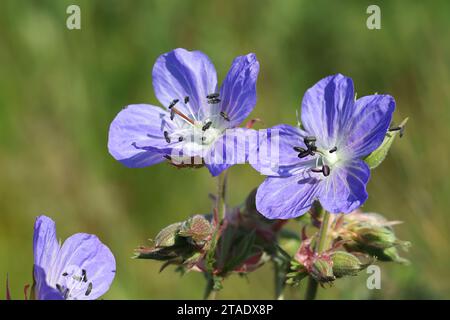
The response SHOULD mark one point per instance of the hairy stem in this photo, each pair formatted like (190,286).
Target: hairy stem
(311,289)
(221,193)
(220,210)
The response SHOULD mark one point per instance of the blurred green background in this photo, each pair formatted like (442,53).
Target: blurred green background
(60,89)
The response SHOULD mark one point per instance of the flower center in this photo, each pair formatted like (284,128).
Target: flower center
(326,160)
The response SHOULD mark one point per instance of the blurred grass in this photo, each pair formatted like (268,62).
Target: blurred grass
(60,89)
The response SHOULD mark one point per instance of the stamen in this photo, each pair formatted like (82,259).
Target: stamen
(65,274)
(304,154)
(172,114)
(180,139)
(84,275)
(166,136)
(207,126)
(214,101)
(173,103)
(299,149)
(89,289)
(325,170)
(186,99)
(224,115)
(309,140)
(333,150)
(58,286)
(212,95)
(178,112)
(66,293)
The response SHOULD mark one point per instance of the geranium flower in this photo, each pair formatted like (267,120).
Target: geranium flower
(323,161)
(190,130)
(82,268)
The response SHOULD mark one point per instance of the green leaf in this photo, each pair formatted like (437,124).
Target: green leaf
(376,157)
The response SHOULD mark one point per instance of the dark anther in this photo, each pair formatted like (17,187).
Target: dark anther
(333,150)
(309,140)
(304,154)
(186,99)
(212,96)
(58,286)
(168,157)
(174,102)
(214,101)
(312,148)
(224,115)
(203,138)
(166,136)
(65,274)
(324,169)
(299,149)
(180,139)
(207,125)
(89,289)
(172,114)
(84,275)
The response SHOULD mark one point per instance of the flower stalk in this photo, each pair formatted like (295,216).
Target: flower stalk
(322,245)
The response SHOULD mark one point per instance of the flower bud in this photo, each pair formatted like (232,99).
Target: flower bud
(322,270)
(345,264)
(379,237)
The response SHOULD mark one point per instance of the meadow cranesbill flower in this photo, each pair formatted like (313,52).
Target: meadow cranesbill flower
(323,159)
(190,130)
(82,268)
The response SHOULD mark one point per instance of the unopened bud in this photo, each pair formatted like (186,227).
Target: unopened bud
(322,270)
(345,264)
(379,237)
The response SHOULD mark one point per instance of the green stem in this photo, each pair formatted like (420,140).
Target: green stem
(210,293)
(311,289)
(221,193)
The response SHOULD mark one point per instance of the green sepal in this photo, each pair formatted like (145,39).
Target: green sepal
(377,157)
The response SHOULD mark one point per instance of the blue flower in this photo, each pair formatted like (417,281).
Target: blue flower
(82,268)
(191,130)
(323,160)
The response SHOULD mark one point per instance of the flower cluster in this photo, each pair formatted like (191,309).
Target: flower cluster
(322,164)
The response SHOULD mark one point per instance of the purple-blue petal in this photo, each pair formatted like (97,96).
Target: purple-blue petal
(287,197)
(369,124)
(42,290)
(136,135)
(229,149)
(84,252)
(327,107)
(181,73)
(345,189)
(45,243)
(275,151)
(238,91)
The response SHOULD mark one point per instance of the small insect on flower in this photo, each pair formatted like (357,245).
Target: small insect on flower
(61,271)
